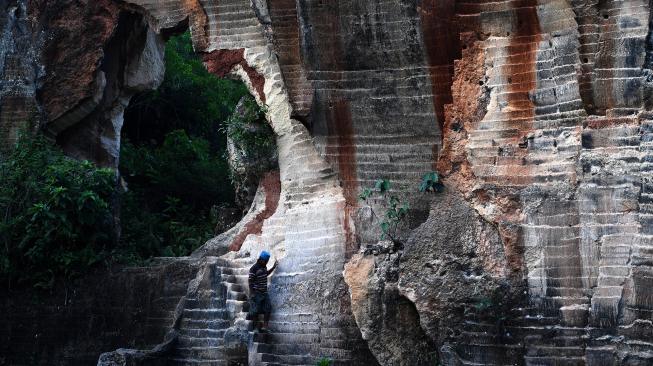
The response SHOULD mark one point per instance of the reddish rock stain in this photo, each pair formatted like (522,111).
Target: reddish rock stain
(442,42)
(343,146)
(522,59)
(77,34)
(521,69)
(221,62)
(521,76)
(607,122)
(198,23)
(271,184)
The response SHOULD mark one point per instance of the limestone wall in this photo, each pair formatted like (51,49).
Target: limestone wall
(535,112)
(71,326)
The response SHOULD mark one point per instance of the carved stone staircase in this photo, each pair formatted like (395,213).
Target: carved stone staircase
(212,316)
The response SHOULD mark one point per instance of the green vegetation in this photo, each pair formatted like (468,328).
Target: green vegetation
(57,219)
(324,361)
(396,212)
(431,183)
(253,139)
(493,307)
(189,99)
(246,130)
(60,216)
(169,207)
(173,158)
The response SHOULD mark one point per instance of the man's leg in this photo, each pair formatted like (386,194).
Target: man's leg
(257,324)
(255,311)
(266,320)
(267,311)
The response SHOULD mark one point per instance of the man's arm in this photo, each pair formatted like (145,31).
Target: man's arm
(250,281)
(273,267)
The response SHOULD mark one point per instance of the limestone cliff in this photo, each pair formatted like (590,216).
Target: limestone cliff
(537,113)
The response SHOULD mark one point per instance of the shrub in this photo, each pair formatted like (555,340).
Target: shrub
(431,183)
(57,217)
(172,158)
(190,99)
(324,361)
(168,208)
(245,129)
(395,211)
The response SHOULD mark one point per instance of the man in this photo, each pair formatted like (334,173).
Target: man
(259,301)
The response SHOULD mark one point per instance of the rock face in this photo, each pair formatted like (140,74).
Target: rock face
(388,321)
(71,326)
(70,68)
(537,113)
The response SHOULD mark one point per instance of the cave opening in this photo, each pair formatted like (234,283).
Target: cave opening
(186,156)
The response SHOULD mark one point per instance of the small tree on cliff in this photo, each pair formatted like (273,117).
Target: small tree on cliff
(395,211)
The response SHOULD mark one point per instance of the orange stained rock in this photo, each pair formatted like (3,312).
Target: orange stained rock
(520,75)
(222,62)
(522,67)
(198,23)
(461,116)
(342,145)
(271,184)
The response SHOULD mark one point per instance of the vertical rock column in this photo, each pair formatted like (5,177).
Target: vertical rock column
(373,115)
(307,230)
(19,67)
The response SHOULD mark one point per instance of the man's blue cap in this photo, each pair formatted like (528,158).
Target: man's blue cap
(264,255)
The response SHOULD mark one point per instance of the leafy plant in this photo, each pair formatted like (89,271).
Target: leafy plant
(246,129)
(190,99)
(173,158)
(324,361)
(395,211)
(431,183)
(168,208)
(57,218)
(58,215)
(494,306)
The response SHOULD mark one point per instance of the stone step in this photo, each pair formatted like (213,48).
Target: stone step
(202,333)
(199,353)
(236,295)
(192,342)
(198,362)
(204,323)
(293,317)
(204,303)
(557,341)
(294,327)
(206,314)
(237,306)
(286,338)
(234,270)
(237,287)
(286,359)
(286,349)
(554,361)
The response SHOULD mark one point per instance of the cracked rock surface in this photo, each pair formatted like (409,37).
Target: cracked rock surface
(536,113)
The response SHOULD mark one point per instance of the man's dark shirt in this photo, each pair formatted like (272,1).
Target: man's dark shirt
(258,278)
